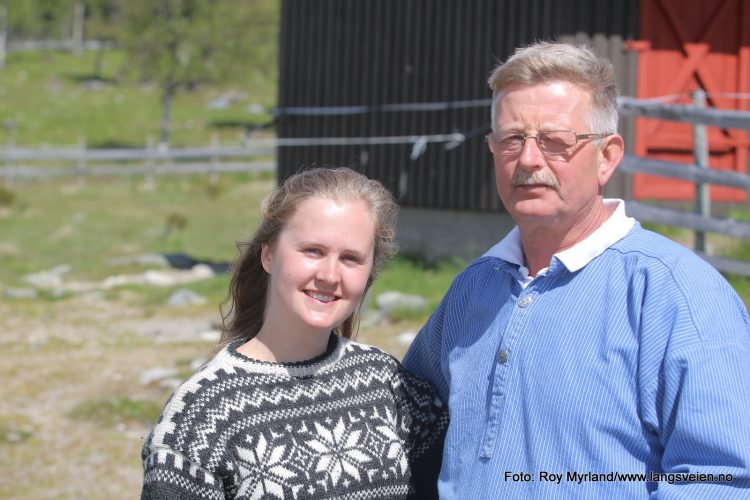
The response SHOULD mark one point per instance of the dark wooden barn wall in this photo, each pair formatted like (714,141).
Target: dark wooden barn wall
(376,52)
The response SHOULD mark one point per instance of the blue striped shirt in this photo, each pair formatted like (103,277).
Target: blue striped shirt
(622,372)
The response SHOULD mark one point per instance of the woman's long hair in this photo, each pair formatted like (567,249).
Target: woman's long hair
(243,310)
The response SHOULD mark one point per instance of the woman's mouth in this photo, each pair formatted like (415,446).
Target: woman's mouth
(322,297)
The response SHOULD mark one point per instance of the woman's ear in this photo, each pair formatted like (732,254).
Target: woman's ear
(265,257)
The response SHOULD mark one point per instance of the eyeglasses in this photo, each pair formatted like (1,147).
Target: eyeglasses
(555,144)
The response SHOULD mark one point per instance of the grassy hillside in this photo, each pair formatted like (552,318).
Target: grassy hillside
(54,98)
(88,225)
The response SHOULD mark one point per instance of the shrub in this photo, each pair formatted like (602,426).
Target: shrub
(7,196)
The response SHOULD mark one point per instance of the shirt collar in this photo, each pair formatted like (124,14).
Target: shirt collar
(576,257)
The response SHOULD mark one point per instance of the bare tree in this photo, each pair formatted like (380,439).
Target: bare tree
(78,18)
(3,31)
(180,44)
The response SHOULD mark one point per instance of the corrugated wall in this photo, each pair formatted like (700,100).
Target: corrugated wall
(380,52)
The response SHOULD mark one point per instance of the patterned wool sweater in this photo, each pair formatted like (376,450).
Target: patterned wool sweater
(351,423)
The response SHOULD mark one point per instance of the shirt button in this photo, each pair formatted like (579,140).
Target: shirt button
(524,301)
(502,356)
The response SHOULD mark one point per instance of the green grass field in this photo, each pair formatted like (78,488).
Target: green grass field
(88,224)
(54,98)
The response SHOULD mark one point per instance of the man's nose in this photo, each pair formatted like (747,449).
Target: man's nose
(531,155)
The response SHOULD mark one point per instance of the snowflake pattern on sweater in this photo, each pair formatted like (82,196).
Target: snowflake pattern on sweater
(351,423)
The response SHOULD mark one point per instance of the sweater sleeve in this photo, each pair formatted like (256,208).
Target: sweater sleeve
(423,422)
(169,475)
(169,469)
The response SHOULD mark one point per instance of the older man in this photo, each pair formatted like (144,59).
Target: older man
(583,356)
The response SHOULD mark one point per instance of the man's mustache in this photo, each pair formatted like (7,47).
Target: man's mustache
(535,178)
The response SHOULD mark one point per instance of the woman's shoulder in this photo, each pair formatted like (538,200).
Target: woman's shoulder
(375,360)
(188,432)
(367,353)
(217,370)
(196,396)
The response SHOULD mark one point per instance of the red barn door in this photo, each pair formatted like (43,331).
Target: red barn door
(689,45)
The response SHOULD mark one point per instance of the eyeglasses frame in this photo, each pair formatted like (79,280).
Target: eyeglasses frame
(526,137)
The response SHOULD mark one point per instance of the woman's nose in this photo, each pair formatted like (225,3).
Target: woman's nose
(328,271)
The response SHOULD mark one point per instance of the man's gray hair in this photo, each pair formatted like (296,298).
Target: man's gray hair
(554,61)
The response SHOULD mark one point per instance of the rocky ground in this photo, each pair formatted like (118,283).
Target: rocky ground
(80,379)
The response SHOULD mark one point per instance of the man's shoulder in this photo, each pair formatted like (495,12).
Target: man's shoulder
(478,275)
(671,265)
(483,265)
(641,243)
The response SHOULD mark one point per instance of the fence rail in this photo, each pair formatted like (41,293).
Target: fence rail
(171,168)
(69,45)
(157,161)
(693,173)
(15,154)
(24,162)
(701,220)
(256,147)
(696,222)
(723,118)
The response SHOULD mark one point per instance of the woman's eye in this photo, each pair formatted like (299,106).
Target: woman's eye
(312,251)
(352,258)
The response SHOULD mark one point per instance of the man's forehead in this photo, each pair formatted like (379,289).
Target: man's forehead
(552,88)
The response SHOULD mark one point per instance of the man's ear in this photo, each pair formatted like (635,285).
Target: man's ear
(265,257)
(612,150)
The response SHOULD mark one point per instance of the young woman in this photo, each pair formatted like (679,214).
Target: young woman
(290,407)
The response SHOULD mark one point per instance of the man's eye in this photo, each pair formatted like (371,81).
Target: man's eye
(554,140)
(511,140)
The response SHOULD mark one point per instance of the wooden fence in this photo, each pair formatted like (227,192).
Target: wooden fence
(27,162)
(701,220)
(21,162)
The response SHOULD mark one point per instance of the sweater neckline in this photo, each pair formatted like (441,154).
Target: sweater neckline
(334,341)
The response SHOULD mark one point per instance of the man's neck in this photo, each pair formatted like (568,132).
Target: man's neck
(541,241)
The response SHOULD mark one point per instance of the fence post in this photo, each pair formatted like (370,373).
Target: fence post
(3,32)
(79,11)
(213,177)
(81,166)
(700,152)
(8,167)
(148,180)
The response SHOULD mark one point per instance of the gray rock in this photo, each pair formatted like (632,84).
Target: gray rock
(20,293)
(48,280)
(391,301)
(371,317)
(197,363)
(212,336)
(202,272)
(157,374)
(92,296)
(255,109)
(149,259)
(159,278)
(170,383)
(184,297)
(406,337)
